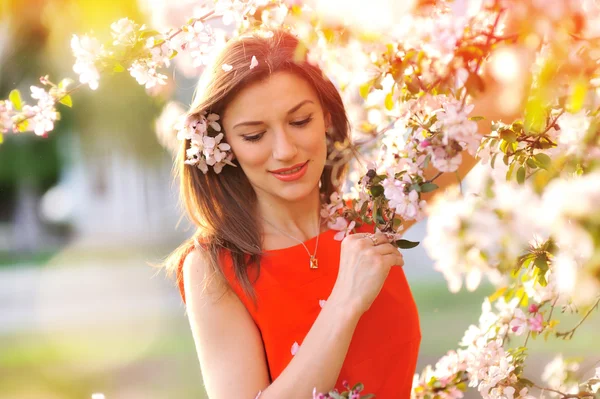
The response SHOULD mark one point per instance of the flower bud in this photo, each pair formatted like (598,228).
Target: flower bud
(533,308)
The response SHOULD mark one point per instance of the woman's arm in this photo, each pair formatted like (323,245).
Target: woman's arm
(231,351)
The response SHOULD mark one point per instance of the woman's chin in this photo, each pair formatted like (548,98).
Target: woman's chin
(294,192)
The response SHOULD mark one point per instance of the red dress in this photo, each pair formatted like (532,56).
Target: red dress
(384,348)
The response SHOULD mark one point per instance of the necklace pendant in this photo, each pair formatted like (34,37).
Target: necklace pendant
(314,263)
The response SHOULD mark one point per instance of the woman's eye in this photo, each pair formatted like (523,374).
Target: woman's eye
(302,122)
(253,138)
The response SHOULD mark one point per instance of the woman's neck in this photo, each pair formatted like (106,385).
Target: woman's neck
(298,219)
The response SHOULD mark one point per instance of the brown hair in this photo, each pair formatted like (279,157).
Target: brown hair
(223,206)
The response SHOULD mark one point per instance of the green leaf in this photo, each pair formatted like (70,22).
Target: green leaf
(521,175)
(405,244)
(542,264)
(497,294)
(526,382)
(509,172)
(535,115)
(426,161)
(1,138)
(379,217)
(493,160)
(23,125)
(578,92)
(364,89)
(376,190)
(531,163)
(358,386)
(508,135)
(428,187)
(118,68)
(368,396)
(146,33)
(66,100)
(543,160)
(15,99)
(389,101)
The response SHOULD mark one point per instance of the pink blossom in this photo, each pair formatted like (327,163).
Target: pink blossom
(343,226)
(536,323)
(519,322)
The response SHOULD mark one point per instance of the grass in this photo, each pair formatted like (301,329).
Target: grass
(11,259)
(125,361)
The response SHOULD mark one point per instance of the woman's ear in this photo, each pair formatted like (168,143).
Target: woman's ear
(327,117)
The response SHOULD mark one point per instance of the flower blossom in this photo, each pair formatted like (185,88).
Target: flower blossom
(124,32)
(204,150)
(6,110)
(405,201)
(144,71)
(87,50)
(43,115)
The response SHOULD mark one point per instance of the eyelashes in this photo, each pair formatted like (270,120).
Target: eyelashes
(256,137)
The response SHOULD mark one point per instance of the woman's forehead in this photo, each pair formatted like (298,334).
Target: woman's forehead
(274,95)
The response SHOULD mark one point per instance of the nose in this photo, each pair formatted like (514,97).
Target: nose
(284,147)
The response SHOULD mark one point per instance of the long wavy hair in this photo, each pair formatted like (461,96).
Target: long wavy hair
(223,206)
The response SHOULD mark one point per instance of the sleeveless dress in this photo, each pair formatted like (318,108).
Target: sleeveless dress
(384,348)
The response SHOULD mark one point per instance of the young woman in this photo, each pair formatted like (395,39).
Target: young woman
(276,305)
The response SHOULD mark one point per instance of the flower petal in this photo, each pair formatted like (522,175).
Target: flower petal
(253,62)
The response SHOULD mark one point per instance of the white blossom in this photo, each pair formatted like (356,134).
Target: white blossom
(144,71)
(87,51)
(124,32)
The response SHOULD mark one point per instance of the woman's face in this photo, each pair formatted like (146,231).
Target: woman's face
(276,129)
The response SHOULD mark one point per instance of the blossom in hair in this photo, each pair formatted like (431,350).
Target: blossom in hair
(205,150)
(253,62)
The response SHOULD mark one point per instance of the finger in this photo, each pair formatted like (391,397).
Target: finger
(377,239)
(387,248)
(393,260)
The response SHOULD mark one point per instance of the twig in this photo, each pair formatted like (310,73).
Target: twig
(566,395)
(571,332)
(202,18)
(480,61)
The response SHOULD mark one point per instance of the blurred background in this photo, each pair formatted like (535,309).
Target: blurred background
(85,211)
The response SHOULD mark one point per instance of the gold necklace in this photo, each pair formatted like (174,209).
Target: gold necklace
(314,262)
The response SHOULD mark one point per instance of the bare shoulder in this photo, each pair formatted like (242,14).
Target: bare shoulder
(228,342)
(199,278)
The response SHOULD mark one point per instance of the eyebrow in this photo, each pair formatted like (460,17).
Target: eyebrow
(292,110)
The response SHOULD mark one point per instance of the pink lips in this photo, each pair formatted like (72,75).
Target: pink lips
(291,176)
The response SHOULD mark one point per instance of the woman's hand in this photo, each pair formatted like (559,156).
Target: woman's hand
(365,262)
